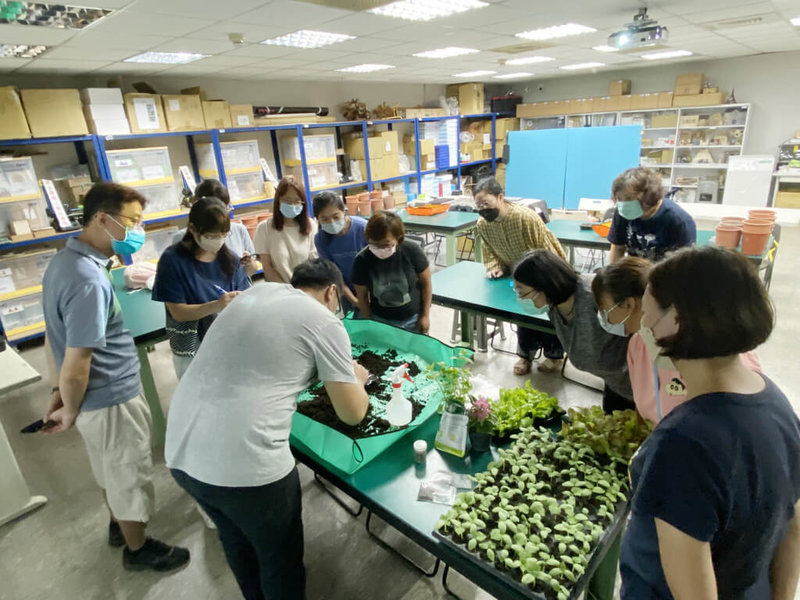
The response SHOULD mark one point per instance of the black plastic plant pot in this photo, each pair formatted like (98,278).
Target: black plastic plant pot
(480,441)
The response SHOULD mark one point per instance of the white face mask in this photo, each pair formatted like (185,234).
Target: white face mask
(334,227)
(382,253)
(211,245)
(654,350)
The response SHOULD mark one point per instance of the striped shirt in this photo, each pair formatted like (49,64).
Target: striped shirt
(507,239)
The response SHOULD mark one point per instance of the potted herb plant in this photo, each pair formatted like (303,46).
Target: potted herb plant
(454,381)
(480,424)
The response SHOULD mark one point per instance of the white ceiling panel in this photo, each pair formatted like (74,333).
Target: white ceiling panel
(87,53)
(194,45)
(130,24)
(60,66)
(201,10)
(261,51)
(22,34)
(299,15)
(100,40)
(122,68)
(11,64)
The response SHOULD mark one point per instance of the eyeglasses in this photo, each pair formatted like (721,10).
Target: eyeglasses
(132,220)
(522,295)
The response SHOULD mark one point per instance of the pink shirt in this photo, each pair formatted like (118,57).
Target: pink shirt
(671,391)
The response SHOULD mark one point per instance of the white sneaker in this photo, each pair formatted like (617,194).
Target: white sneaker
(550,365)
(206,519)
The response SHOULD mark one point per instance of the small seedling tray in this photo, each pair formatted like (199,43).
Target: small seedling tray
(598,553)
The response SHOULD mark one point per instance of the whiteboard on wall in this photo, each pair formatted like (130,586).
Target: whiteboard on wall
(748,180)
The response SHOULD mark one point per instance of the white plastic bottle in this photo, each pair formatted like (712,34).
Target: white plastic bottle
(398,410)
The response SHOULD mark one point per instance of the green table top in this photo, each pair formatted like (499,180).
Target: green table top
(452,221)
(144,318)
(464,286)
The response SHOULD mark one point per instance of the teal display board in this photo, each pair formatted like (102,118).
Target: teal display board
(561,166)
(537,165)
(595,156)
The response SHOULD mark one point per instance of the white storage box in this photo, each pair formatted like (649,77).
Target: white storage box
(22,271)
(96,112)
(22,316)
(160,198)
(32,211)
(319,176)
(319,148)
(236,156)
(246,186)
(140,166)
(155,242)
(101,96)
(109,126)
(18,179)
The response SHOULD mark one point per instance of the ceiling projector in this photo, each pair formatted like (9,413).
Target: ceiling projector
(640,33)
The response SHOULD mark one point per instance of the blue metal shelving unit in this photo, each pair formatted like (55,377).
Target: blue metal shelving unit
(214,135)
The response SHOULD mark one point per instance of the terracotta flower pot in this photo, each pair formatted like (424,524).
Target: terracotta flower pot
(375,194)
(755,235)
(352,205)
(364,208)
(388,202)
(762,213)
(376,204)
(732,221)
(728,236)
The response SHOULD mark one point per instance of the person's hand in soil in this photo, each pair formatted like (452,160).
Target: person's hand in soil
(424,323)
(361,373)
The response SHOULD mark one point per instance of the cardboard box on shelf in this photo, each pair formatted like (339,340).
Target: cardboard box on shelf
(145,113)
(423,113)
(619,87)
(603,104)
(689,83)
(664,120)
(71,191)
(710,90)
(500,174)
(101,96)
(644,101)
(241,115)
(470,97)
(787,200)
(427,162)
(667,156)
(503,126)
(532,109)
(13,124)
(53,113)
(183,112)
(355,147)
(217,114)
(109,126)
(426,146)
(664,99)
(690,120)
(196,91)
(698,99)
(623,102)
(391,165)
(43,233)
(391,142)
(20,231)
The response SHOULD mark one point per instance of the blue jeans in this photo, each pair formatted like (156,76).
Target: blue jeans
(410,324)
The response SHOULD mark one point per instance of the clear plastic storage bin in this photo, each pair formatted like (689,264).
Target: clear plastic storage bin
(235,156)
(18,179)
(140,165)
(20,316)
(318,148)
(319,176)
(155,242)
(32,211)
(246,186)
(21,271)
(160,198)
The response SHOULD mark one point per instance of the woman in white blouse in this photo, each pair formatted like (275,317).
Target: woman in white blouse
(287,238)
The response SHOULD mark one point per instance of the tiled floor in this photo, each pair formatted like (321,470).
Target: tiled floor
(60,552)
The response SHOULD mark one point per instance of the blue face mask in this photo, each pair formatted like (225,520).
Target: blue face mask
(630,209)
(133,242)
(290,211)
(334,228)
(612,328)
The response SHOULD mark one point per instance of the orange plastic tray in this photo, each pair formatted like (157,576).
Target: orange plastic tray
(426,210)
(602,229)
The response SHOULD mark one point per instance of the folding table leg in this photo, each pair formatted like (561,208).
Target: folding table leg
(450,592)
(337,499)
(432,573)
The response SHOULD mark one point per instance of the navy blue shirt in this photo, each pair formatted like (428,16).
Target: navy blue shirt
(182,279)
(342,249)
(669,229)
(723,468)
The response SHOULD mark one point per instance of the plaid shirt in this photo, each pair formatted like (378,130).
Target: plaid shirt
(508,238)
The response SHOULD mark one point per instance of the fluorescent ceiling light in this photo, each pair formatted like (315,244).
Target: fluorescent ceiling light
(166,58)
(50,15)
(605,48)
(21,51)
(425,10)
(529,60)
(307,38)
(586,65)
(557,31)
(448,52)
(513,75)
(474,73)
(665,54)
(365,68)
(795,21)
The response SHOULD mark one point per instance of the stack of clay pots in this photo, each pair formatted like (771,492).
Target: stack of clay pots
(756,230)
(729,232)
(376,200)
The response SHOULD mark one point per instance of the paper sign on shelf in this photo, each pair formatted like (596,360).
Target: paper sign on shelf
(146,113)
(6,281)
(174,105)
(56,206)
(188,179)
(267,171)
(243,120)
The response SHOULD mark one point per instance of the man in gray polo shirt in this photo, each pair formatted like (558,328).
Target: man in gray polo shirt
(95,371)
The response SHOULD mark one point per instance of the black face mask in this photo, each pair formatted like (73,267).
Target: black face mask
(490,214)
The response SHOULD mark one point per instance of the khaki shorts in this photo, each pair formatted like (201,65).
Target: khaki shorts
(117,440)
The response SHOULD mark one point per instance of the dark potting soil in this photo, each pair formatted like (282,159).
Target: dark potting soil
(320,408)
